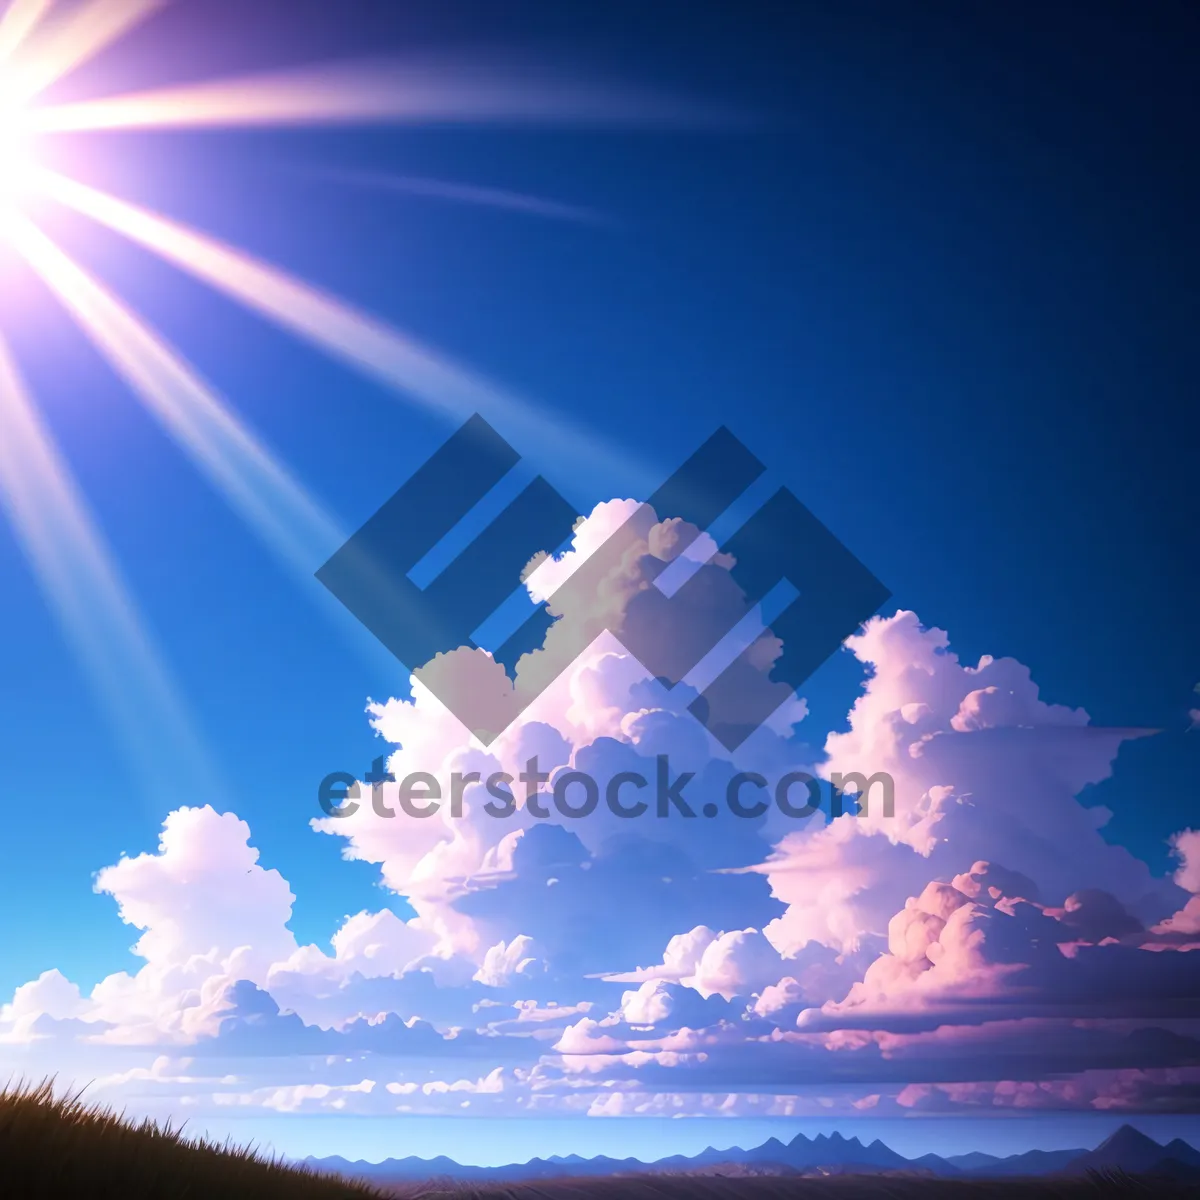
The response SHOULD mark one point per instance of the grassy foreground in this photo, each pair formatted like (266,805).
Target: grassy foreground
(58,1146)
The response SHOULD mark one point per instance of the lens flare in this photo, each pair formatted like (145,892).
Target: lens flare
(39,46)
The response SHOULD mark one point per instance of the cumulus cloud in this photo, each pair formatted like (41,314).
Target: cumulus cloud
(51,995)
(1183,927)
(235,906)
(968,949)
(981,943)
(983,770)
(1186,847)
(505,961)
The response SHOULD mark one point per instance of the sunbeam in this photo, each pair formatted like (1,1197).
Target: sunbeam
(363,92)
(18,21)
(345,332)
(292,525)
(219,444)
(82,583)
(58,47)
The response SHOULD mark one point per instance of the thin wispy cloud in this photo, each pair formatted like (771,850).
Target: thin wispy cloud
(476,195)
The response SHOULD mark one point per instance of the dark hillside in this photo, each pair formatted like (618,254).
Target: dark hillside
(56,1147)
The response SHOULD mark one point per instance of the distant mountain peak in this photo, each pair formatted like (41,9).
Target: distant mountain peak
(1182,1152)
(1128,1138)
(1127,1148)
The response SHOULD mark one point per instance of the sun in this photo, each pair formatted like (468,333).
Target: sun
(43,41)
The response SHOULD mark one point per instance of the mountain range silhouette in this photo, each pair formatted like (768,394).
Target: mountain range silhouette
(1127,1149)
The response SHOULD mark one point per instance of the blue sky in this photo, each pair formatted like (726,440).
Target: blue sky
(936,274)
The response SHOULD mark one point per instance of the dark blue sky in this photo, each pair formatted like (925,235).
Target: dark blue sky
(942,278)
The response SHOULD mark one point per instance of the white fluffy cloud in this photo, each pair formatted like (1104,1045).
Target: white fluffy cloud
(983,770)
(736,964)
(233,906)
(507,960)
(1186,846)
(888,951)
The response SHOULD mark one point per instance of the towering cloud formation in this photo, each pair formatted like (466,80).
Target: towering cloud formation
(981,944)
